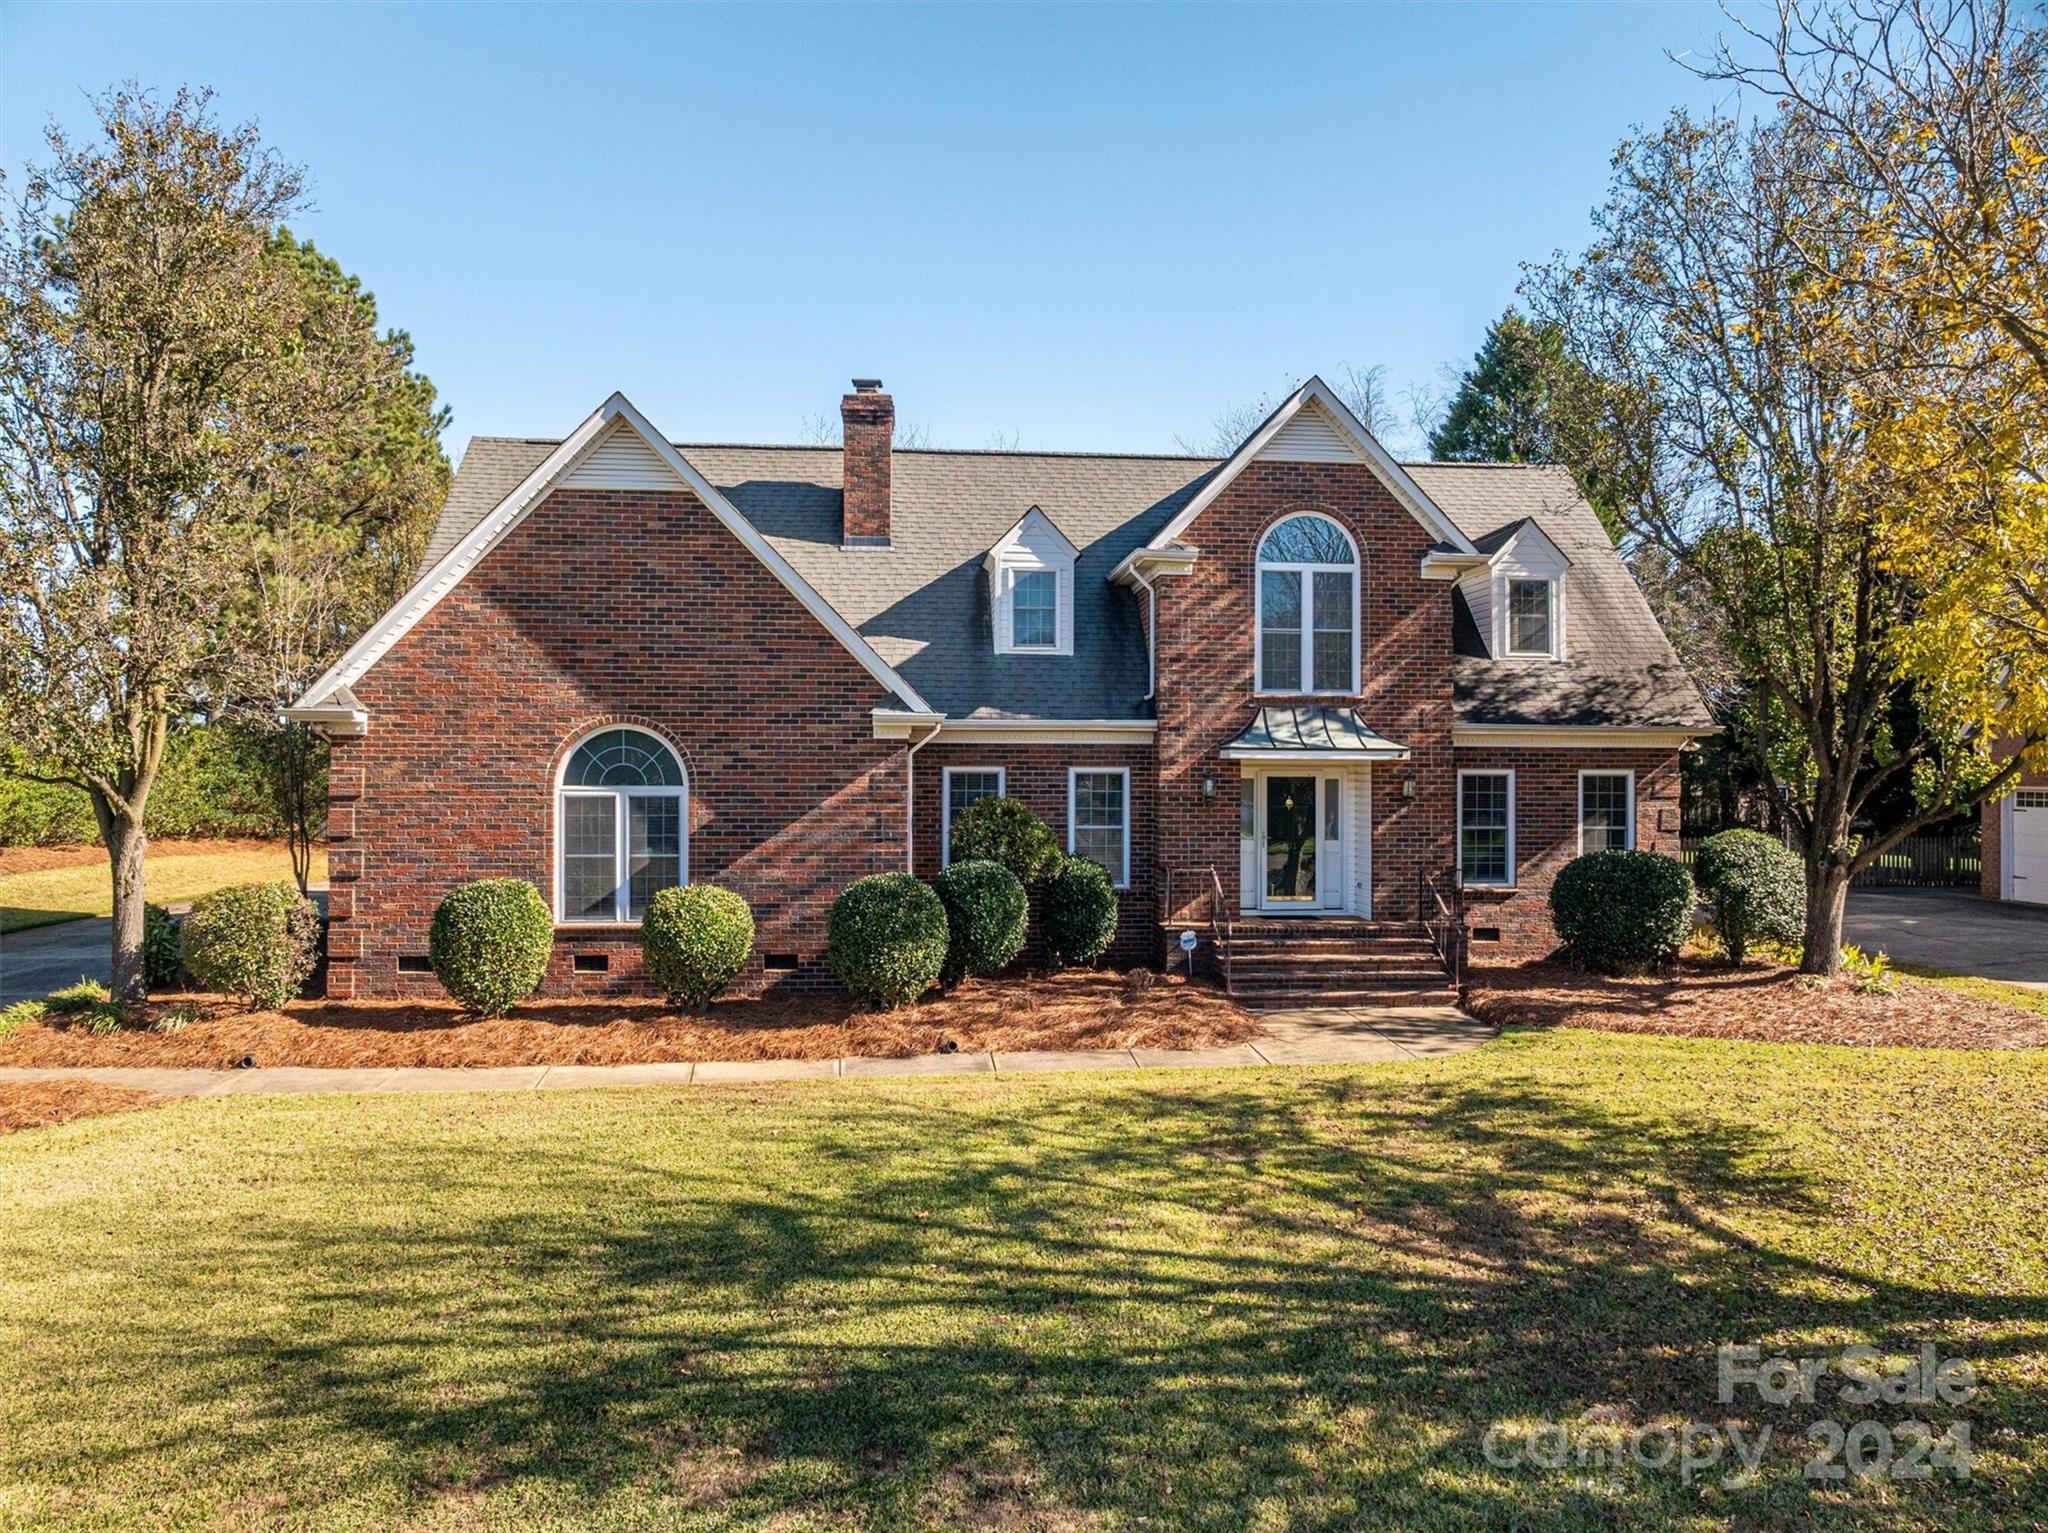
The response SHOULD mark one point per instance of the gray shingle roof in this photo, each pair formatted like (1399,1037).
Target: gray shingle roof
(924,602)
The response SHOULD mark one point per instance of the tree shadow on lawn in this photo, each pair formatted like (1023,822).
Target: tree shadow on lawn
(1196,1304)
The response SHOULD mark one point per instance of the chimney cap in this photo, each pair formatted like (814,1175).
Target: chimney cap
(867,385)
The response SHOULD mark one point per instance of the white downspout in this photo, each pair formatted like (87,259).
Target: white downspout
(910,800)
(1151,633)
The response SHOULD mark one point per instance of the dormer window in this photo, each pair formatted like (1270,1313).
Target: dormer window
(1529,621)
(1034,609)
(1031,588)
(1308,608)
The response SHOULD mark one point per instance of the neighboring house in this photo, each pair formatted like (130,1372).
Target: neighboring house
(2015,865)
(1327,682)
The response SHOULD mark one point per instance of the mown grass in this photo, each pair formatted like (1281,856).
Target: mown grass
(1250,1299)
(65,894)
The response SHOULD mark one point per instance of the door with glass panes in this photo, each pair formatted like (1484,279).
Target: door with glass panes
(1298,842)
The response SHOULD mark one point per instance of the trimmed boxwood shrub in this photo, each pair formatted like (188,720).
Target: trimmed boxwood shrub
(1001,830)
(1757,886)
(1080,911)
(490,943)
(887,938)
(986,913)
(1621,912)
(694,940)
(259,941)
(163,950)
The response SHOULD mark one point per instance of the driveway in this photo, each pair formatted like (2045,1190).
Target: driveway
(1952,929)
(46,958)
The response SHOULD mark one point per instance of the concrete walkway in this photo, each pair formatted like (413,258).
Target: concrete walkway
(1338,1035)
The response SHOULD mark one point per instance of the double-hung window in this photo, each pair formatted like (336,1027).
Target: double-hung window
(1099,819)
(1607,812)
(1486,828)
(965,786)
(1308,608)
(1035,610)
(621,827)
(1529,617)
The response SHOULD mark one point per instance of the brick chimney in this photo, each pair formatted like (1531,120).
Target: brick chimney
(869,418)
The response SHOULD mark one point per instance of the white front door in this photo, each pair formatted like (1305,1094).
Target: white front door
(2029,845)
(1298,860)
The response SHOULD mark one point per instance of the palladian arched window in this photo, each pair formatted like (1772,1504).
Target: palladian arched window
(1308,608)
(622,827)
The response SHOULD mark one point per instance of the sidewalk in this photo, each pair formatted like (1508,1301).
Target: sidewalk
(1336,1035)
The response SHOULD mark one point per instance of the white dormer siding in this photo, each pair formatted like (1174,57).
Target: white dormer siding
(1528,555)
(1310,436)
(620,460)
(1033,547)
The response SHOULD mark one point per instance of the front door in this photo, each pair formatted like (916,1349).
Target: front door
(1292,840)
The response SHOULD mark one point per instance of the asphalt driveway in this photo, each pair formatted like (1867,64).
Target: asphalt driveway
(46,958)
(1952,929)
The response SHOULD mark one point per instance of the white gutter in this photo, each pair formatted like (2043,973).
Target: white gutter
(910,797)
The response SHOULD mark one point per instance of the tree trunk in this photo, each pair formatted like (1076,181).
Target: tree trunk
(126,843)
(1827,890)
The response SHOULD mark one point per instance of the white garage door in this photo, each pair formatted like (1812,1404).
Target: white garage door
(2030,845)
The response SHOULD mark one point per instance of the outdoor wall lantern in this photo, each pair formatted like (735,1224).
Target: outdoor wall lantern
(1208,789)
(1408,786)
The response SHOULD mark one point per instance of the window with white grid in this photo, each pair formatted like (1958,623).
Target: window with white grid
(965,786)
(1099,819)
(1607,811)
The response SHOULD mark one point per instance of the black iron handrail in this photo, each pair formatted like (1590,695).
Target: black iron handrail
(1446,931)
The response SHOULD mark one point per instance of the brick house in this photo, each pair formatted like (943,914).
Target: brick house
(1331,686)
(2015,839)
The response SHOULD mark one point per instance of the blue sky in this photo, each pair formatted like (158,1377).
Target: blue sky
(1087,227)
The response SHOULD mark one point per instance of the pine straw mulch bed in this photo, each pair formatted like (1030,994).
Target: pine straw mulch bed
(1080,1009)
(44,1104)
(1761,1002)
(42,859)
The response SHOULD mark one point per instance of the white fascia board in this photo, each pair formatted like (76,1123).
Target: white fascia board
(513,509)
(1149,561)
(1049,731)
(1288,758)
(1449,566)
(897,724)
(1396,478)
(341,717)
(1590,737)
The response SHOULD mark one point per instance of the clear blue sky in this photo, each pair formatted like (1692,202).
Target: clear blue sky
(1093,227)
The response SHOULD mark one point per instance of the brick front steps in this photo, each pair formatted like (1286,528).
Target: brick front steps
(1335,962)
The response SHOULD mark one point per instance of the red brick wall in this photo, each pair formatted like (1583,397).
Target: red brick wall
(602,606)
(1206,680)
(1546,818)
(1036,775)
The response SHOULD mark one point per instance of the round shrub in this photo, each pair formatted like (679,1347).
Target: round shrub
(694,940)
(490,943)
(986,913)
(1621,912)
(887,938)
(1758,889)
(163,950)
(259,941)
(1080,911)
(1001,830)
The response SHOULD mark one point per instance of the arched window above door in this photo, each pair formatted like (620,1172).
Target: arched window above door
(1307,637)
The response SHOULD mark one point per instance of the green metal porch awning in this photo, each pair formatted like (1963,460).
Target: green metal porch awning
(1310,734)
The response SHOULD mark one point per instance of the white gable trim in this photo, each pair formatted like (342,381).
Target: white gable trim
(1035,545)
(1396,478)
(617,411)
(1510,551)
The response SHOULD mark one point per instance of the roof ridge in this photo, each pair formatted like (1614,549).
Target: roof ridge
(833,447)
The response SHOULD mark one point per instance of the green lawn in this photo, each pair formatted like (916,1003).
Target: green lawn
(1253,1299)
(65,894)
